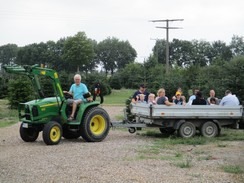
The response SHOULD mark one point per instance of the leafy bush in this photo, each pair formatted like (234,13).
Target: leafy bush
(20,90)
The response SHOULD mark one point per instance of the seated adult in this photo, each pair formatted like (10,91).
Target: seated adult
(212,95)
(77,89)
(199,99)
(142,90)
(162,99)
(229,99)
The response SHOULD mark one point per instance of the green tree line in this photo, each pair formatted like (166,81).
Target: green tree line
(195,63)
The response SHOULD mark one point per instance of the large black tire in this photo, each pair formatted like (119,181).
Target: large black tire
(167,131)
(52,133)
(95,125)
(209,129)
(69,134)
(28,134)
(187,130)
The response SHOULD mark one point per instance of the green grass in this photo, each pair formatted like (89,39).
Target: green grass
(7,116)
(118,97)
(235,169)
(226,134)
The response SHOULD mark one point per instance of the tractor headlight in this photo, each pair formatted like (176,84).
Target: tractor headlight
(34,111)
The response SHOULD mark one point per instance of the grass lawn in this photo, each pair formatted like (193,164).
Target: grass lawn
(7,115)
(117,97)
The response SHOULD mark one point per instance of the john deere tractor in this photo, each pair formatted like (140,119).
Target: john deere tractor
(50,114)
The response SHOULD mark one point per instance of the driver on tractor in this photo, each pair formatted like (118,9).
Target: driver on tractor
(78,90)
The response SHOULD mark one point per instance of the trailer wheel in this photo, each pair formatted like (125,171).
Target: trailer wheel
(167,131)
(132,130)
(187,130)
(95,125)
(28,134)
(69,134)
(209,129)
(52,133)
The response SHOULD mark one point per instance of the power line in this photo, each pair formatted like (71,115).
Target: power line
(167,36)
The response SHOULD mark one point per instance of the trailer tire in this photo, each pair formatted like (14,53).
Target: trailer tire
(95,125)
(28,134)
(132,130)
(187,130)
(209,129)
(52,133)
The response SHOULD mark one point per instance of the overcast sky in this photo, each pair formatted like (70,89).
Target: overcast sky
(25,22)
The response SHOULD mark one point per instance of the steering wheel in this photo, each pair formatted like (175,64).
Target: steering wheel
(68,95)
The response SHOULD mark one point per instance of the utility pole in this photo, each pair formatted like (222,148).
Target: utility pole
(167,37)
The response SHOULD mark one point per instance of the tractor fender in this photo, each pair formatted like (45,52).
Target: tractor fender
(85,107)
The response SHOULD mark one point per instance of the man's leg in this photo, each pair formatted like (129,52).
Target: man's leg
(74,107)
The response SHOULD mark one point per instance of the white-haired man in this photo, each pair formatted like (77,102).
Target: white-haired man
(77,89)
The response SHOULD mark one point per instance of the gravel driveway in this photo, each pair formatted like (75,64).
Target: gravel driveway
(121,157)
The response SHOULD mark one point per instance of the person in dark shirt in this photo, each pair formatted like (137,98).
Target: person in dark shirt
(98,92)
(142,90)
(199,99)
(178,99)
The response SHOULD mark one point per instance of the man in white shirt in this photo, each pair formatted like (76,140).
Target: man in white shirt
(229,99)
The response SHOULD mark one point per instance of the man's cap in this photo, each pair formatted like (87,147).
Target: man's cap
(143,86)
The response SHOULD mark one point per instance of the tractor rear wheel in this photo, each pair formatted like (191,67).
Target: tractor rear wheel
(95,125)
(28,134)
(52,133)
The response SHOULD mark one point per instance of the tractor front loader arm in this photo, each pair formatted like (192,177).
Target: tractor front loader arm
(32,72)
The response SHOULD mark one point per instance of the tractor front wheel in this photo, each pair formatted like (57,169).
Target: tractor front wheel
(28,134)
(95,125)
(52,133)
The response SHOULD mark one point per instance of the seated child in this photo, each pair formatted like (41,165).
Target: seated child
(178,99)
(213,101)
(141,98)
(151,99)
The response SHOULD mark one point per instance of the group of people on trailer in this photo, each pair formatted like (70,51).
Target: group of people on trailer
(142,96)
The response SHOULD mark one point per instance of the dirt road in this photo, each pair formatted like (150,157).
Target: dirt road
(121,157)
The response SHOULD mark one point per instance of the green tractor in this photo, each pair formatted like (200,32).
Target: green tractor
(50,114)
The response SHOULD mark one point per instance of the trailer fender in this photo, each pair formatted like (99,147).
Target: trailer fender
(218,124)
(178,124)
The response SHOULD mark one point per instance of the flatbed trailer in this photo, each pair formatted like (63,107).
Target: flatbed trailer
(186,120)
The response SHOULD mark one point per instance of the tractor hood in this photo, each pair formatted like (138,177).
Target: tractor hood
(40,109)
(43,103)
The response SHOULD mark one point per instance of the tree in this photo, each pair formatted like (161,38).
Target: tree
(78,51)
(221,50)
(237,45)
(233,76)
(33,54)
(132,75)
(182,52)
(20,90)
(159,51)
(115,54)
(8,53)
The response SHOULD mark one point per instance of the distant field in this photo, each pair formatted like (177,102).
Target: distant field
(118,97)
(7,115)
